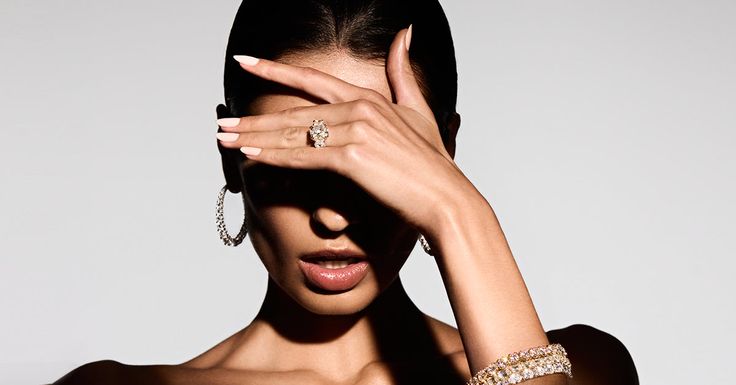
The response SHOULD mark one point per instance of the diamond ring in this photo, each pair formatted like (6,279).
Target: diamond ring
(318,132)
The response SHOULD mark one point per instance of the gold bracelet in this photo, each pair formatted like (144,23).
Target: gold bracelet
(521,366)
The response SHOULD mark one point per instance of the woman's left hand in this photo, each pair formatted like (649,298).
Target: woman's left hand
(393,151)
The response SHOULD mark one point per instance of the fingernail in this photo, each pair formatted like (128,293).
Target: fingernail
(227,136)
(228,122)
(250,150)
(246,60)
(408,37)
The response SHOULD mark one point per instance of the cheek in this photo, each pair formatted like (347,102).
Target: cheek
(276,218)
(276,229)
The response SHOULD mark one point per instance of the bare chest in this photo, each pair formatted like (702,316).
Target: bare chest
(444,372)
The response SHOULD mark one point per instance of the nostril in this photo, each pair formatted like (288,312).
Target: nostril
(330,219)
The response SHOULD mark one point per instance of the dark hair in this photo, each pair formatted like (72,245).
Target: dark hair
(274,29)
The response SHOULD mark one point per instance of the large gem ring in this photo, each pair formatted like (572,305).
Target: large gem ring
(318,132)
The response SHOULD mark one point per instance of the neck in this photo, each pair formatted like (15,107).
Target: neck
(284,336)
(296,323)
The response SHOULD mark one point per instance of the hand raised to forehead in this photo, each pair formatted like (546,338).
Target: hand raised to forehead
(400,75)
(392,150)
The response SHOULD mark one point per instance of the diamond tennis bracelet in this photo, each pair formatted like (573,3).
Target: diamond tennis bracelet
(521,366)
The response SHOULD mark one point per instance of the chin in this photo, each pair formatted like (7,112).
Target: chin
(338,303)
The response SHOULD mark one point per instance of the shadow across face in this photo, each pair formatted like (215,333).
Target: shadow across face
(370,223)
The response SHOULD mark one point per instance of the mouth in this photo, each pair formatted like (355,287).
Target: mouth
(334,270)
(333,263)
(333,257)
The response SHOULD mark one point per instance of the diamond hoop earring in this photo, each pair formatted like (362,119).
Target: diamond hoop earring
(220,216)
(425,244)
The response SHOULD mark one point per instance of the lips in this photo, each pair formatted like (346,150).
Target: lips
(334,270)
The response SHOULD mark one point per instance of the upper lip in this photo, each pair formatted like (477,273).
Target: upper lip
(332,254)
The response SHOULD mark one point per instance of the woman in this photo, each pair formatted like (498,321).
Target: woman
(339,131)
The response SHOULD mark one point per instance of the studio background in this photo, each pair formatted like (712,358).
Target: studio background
(602,133)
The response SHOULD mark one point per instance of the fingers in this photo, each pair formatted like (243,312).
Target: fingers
(401,75)
(290,147)
(312,81)
(307,158)
(293,137)
(335,90)
(230,159)
(297,117)
(351,121)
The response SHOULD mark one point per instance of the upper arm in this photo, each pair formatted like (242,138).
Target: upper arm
(99,373)
(597,357)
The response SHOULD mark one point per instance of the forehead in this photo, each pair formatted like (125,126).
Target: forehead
(338,64)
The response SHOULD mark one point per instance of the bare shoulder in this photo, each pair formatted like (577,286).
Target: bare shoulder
(109,372)
(597,357)
(105,372)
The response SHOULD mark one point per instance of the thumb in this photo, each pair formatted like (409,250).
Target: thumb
(401,76)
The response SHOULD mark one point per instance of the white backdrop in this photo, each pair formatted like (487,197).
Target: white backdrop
(601,132)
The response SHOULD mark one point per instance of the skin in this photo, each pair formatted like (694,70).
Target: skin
(370,191)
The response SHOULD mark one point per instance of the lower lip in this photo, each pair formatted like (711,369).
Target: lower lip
(334,279)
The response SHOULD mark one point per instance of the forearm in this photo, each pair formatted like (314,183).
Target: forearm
(494,312)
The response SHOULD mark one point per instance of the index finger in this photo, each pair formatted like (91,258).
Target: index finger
(312,81)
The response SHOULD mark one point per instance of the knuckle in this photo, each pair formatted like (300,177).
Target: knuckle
(309,73)
(269,157)
(360,130)
(293,112)
(243,139)
(352,154)
(365,108)
(245,123)
(291,134)
(373,95)
(274,158)
(267,71)
(300,155)
(286,114)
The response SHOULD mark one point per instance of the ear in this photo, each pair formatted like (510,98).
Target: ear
(231,158)
(453,125)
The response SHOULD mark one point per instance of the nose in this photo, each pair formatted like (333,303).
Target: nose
(330,219)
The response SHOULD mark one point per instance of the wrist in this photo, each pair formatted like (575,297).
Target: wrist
(460,218)
(492,306)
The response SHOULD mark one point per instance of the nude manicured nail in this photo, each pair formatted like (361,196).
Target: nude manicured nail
(408,37)
(246,60)
(250,150)
(227,136)
(228,122)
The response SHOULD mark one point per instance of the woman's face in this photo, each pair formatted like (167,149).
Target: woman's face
(294,212)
